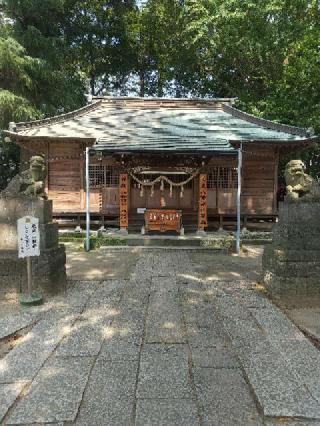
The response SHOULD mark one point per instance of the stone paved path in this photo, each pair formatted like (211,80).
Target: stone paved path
(165,347)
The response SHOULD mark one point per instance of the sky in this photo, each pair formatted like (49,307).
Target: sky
(141,2)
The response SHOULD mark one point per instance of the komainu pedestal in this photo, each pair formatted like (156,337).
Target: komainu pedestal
(49,273)
(292,261)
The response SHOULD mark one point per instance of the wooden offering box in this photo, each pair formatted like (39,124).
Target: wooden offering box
(162,220)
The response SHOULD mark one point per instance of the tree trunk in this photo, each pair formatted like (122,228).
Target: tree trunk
(142,83)
(92,85)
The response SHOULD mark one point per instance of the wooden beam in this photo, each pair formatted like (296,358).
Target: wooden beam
(123,196)
(203,202)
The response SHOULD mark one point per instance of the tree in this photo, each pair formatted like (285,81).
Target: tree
(15,85)
(38,25)
(101,42)
(266,53)
(35,79)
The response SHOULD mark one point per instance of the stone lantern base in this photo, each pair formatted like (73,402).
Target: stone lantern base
(292,262)
(49,272)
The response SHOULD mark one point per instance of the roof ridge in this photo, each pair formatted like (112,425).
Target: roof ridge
(286,128)
(153,99)
(58,118)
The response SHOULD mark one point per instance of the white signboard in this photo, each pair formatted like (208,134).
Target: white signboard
(28,236)
(141,210)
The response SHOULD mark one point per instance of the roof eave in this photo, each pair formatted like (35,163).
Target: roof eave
(162,151)
(23,125)
(277,142)
(18,137)
(268,124)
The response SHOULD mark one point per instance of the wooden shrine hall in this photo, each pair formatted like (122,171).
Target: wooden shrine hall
(160,163)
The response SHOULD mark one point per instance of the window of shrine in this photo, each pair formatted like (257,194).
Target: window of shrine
(222,178)
(101,175)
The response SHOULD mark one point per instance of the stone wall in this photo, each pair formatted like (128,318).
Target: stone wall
(49,268)
(292,261)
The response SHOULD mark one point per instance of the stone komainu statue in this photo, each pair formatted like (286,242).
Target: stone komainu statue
(299,184)
(30,182)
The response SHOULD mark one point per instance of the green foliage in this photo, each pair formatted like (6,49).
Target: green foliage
(226,242)
(164,56)
(96,242)
(39,26)
(100,41)
(265,53)
(15,86)
(113,241)
(71,236)
(9,161)
(35,78)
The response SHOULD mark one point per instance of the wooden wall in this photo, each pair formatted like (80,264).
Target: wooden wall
(222,200)
(65,176)
(65,182)
(260,179)
(259,182)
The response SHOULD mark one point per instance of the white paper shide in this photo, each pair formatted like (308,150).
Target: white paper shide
(28,237)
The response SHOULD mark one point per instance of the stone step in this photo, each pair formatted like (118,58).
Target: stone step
(113,249)
(281,365)
(164,242)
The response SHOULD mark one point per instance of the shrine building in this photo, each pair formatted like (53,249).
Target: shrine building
(150,154)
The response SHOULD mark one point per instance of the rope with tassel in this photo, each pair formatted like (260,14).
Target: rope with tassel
(162,179)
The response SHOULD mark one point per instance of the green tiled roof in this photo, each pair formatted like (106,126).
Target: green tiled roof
(204,126)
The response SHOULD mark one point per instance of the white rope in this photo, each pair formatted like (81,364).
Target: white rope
(163,178)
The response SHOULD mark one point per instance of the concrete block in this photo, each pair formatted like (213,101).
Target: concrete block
(13,208)
(49,272)
(56,393)
(219,393)
(152,412)
(292,261)
(8,394)
(299,212)
(164,373)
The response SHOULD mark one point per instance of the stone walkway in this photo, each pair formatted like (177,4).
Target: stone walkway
(164,347)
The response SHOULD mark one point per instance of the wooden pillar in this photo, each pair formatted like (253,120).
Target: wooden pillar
(123,196)
(203,203)
(82,148)
(82,189)
(46,157)
(220,222)
(275,180)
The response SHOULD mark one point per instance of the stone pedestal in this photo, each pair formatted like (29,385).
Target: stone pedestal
(49,273)
(292,262)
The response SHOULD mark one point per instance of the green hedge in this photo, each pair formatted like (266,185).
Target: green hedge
(95,240)
(70,237)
